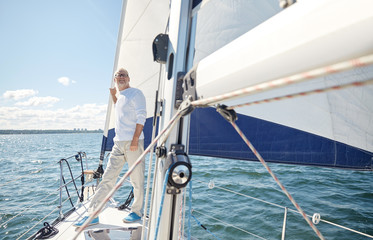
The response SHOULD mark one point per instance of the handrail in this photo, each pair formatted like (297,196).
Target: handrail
(78,157)
(279,206)
(40,221)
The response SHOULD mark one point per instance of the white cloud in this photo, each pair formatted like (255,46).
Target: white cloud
(19,94)
(90,116)
(65,81)
(37,101)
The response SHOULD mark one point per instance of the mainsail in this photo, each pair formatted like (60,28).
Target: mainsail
(244,43)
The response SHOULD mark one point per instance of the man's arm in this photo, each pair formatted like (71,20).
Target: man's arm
(113,92)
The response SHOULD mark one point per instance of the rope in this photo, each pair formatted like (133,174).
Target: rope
(181,214)
(190,210)
(40,221)
(318,233)
(161,206)
(25,210)
(346,228)
(306,93)
(247,196)
(32,172)
(170,124)
(199,223)
(283,207)
(229,224)
(286,81)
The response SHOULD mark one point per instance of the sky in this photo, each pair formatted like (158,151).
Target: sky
(56,62)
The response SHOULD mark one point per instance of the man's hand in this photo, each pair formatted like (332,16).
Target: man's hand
(113,92)
(134,145)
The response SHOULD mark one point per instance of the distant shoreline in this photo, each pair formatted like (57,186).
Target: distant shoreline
(4,132)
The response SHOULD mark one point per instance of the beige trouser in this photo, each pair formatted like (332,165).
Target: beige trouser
(120,154)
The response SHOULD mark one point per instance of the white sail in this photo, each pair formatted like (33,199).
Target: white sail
(141,22)
(307,35)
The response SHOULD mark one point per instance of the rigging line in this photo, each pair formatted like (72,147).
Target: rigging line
(346,228)
(228,224)
(260,158)
(181,217)
(170,124)
(147,79)
(32,172)
(25,210)
(247,196)
(137,21)
(289,209)
(184,212)
(161,204)
(305,93)
(205,228)
(286,81)
(40,221)
(152,196)
(190,210)
(150,167)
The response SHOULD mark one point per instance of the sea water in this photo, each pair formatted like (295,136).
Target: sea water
(232,199)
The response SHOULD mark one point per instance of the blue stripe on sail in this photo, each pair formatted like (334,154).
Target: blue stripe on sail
(195,3)
(211,135)
(108,142)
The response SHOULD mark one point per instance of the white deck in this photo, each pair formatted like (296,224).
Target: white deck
(110,226)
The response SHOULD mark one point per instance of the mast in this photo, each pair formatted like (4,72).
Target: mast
(179,23)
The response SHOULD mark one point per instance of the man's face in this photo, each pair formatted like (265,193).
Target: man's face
(122,79)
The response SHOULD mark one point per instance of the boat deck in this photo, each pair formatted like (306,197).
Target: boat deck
(110,226)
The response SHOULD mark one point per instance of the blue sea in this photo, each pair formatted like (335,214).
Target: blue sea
(29,180)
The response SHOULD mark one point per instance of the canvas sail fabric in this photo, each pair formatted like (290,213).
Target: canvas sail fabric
(331,129)
(241,43)
(142,21)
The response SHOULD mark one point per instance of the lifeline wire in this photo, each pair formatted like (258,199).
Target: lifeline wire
(228,224)
(190,209)
(200,224)
(256,153)
(190,215)
(119,184)
(40,221)
(283,207)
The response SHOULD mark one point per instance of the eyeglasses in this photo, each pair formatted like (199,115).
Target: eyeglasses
(121,75)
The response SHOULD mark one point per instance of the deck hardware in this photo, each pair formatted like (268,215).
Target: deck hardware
(211,184)
(180,167)
(186,107)
(316,218)
(161,151)
(160,48)
(229,115)
(189,84)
